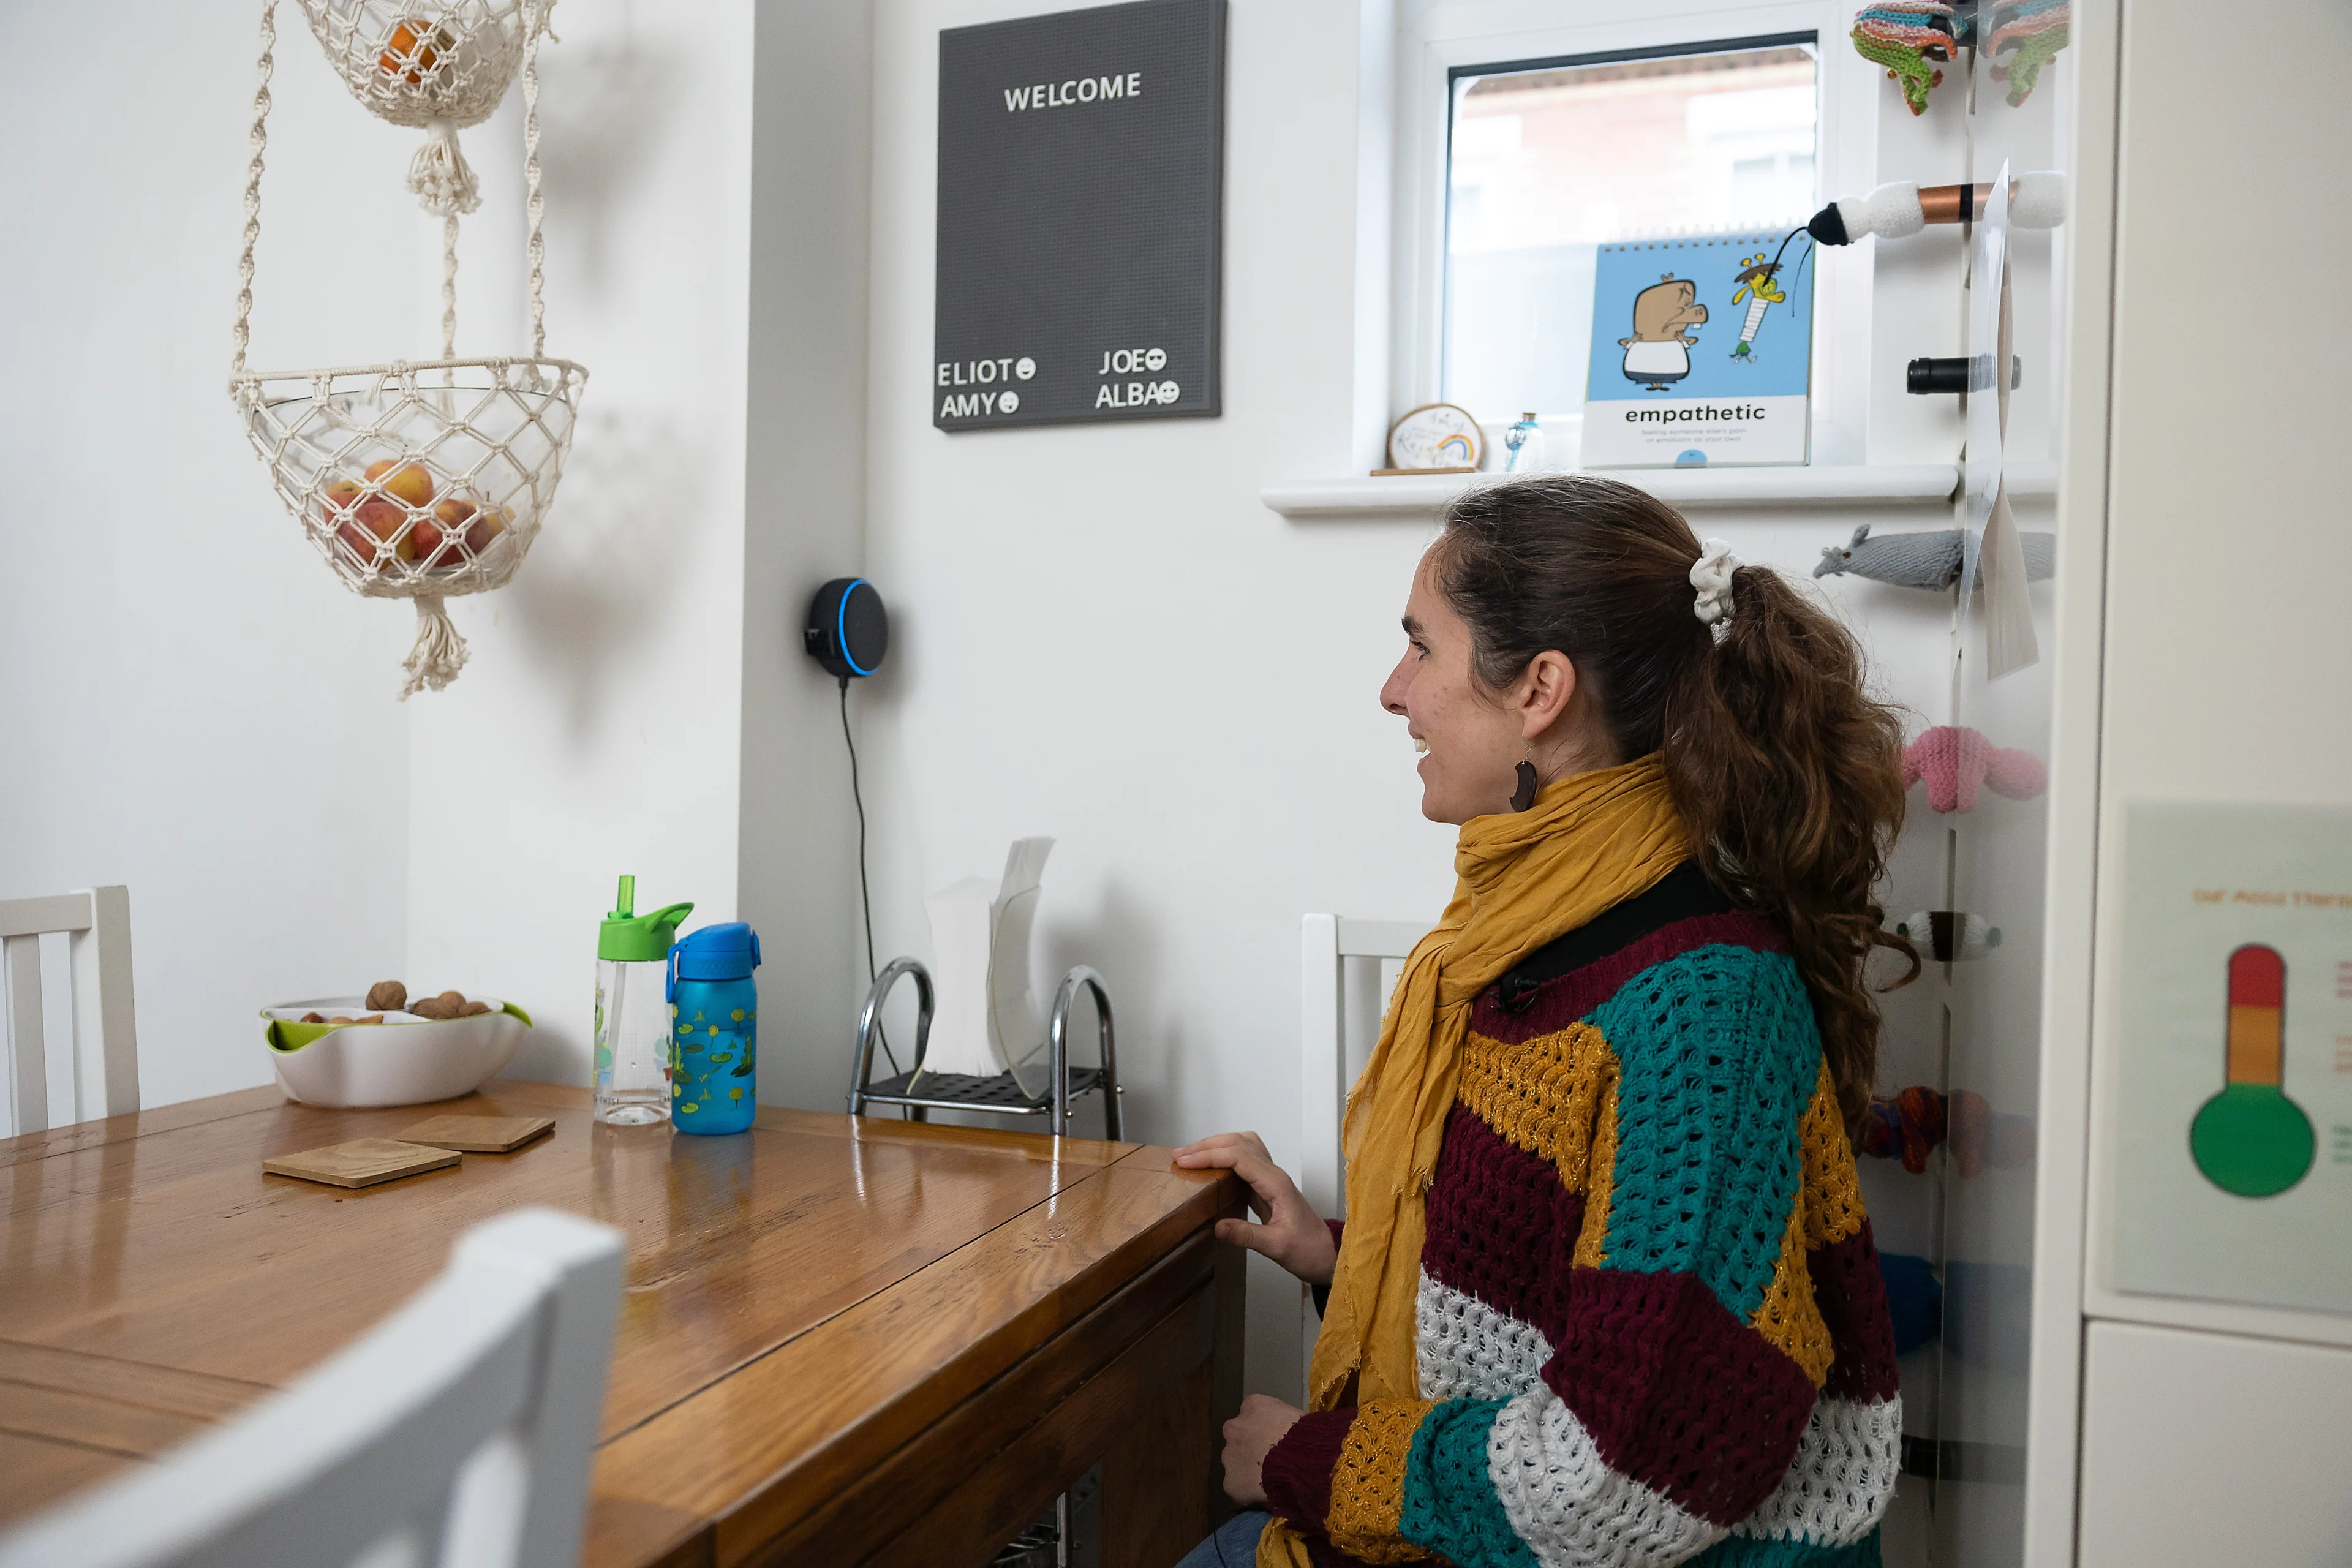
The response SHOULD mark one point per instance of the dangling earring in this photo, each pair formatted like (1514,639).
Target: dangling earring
(1525,799)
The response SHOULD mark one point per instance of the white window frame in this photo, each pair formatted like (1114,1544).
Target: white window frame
(1433,36)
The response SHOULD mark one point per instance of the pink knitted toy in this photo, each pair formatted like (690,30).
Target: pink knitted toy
(1955,761)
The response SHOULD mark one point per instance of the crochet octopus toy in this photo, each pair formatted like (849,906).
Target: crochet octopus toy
(1955,761)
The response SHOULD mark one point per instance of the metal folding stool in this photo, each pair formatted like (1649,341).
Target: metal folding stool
(919,1092)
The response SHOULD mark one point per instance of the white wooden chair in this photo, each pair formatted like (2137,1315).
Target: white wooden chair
(103,1067)
(457,1434)
(1341,1000)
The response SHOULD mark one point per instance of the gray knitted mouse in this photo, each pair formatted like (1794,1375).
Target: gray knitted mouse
(1927,559)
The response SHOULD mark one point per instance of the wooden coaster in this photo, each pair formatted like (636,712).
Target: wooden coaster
(362,1163)
(479,1135)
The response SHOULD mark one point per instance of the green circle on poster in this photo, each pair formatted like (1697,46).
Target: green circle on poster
(2252,1141)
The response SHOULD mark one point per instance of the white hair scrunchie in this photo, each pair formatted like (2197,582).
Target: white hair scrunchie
(1711,575)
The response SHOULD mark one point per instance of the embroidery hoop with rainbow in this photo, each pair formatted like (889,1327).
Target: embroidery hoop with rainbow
(1434,438)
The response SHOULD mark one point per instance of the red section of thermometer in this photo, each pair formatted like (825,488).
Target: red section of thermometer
(2257,1015)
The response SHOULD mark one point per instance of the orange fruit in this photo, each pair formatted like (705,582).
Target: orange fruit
(409,53)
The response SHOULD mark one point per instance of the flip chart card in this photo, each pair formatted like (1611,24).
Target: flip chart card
(1701,351)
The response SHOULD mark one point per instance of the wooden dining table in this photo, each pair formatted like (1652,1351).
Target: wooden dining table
(840,1340)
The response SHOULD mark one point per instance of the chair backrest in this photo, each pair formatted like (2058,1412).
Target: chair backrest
(103,1066)
(457,1434)
(1340,1005)
(1339,1008)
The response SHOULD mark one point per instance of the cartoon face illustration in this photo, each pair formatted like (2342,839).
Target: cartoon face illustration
(1659,350)
(1757,278)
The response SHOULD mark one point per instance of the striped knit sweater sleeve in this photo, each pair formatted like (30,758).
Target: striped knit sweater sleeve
(1651,1326)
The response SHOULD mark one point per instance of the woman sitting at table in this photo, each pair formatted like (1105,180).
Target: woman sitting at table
(1605,1293)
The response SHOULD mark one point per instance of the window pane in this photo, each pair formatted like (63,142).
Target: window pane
(1547,163)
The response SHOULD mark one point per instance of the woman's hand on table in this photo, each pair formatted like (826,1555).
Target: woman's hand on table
(1293,1234)
(1249,1438)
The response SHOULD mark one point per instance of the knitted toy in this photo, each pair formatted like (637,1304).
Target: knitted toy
(1929,558)
(2031,32)
(1955,759)
(1904,36)
(2037,199)
(1907,1127)
(1914,1299)
(1948,936)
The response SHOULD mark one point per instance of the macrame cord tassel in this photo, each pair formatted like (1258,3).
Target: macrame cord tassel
(439,653)
(443,182)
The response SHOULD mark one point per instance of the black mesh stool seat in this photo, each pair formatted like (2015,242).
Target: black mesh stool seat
(919,1092)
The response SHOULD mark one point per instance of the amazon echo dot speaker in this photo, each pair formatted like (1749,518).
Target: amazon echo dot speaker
(848,631)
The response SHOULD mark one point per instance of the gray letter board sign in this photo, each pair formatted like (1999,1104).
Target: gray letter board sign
(1081,175)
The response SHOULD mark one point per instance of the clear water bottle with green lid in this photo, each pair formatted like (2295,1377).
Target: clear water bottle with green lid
(633,1010)
(714,1029)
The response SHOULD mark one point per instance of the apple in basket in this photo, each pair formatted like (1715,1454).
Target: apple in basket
(368,525)
(456,518)
(407,482)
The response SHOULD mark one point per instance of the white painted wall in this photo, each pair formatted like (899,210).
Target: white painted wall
(598,729)
(805,507)
(190,703)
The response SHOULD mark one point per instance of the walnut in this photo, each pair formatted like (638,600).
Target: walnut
(390,995)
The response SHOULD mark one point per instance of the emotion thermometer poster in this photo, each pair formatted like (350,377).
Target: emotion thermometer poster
(1701,351)
(2232,1053)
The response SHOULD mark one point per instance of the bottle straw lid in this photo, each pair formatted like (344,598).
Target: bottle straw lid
(630,938)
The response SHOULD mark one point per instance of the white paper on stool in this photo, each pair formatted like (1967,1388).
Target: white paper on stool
(987,1018)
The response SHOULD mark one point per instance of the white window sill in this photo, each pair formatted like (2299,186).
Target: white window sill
(1872,484)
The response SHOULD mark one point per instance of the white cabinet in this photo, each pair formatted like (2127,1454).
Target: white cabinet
(2203,1449)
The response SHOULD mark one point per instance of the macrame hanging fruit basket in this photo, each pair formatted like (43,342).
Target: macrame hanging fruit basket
(426,479)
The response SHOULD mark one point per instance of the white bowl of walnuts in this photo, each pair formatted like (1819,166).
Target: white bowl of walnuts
(384,1048)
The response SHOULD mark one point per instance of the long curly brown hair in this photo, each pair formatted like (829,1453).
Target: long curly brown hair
(1787,771)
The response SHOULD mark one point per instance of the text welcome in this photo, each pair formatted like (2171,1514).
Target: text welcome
(1078,89)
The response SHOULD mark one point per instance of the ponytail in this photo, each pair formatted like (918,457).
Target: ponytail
(1791,778)
(1787,772)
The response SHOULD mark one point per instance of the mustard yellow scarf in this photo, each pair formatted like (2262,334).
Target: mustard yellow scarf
(1526,878)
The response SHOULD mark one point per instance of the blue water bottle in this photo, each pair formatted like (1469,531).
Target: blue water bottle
(714,1012)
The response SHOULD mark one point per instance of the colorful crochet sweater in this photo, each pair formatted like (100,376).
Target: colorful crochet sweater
(1651,1328)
